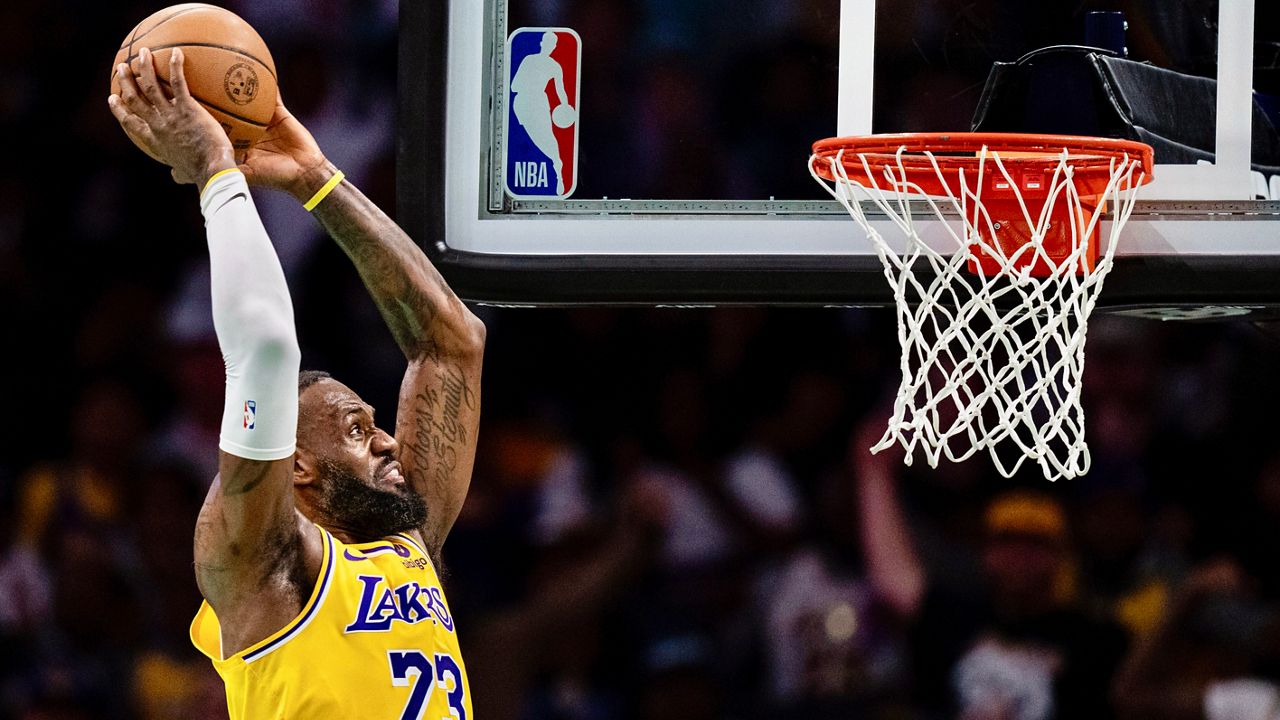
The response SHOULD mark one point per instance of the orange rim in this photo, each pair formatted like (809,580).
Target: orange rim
(1091,158)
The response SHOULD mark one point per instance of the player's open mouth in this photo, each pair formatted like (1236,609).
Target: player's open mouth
(392,474)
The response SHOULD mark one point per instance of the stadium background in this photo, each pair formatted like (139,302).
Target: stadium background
(661,522)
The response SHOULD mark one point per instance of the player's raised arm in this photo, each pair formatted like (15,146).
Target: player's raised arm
(254,556)
(439,408)
(438,414)
(895,570)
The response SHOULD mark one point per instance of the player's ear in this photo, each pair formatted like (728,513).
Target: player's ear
(304,467)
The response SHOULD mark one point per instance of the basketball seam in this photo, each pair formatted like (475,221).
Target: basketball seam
(135,37)
(219,108)
(129,44)
(229,49)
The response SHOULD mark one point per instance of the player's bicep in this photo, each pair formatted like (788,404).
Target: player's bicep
(436,425)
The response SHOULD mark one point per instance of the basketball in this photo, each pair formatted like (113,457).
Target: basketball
(563,116)
(228,66)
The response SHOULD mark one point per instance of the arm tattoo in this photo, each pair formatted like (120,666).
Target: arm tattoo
(247,486)
(437,424)
(439,434)
(410,293)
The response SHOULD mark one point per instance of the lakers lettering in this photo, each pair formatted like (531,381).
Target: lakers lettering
(382,606)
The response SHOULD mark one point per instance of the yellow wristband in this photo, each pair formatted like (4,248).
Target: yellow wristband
(215,176)
(323,192)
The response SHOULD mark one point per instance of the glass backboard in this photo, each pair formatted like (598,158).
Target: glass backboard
(677,174)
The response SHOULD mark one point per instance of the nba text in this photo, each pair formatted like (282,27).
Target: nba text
(531,175)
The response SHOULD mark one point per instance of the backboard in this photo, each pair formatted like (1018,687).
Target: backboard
(654,151)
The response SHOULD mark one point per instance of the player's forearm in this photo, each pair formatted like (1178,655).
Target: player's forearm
(422,312)
(895,570)
(253,318)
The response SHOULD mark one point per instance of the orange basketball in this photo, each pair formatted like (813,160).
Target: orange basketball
(228,66)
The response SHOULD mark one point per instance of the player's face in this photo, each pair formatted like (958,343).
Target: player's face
(360,484)
(548,42)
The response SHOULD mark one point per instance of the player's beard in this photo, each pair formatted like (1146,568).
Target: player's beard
(368,512)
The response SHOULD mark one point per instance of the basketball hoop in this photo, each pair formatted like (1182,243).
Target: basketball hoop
(992,314)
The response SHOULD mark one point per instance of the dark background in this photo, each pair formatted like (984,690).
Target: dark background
(662,521)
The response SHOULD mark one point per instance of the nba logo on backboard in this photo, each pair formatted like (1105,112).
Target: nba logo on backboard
(543,68)
(250,414)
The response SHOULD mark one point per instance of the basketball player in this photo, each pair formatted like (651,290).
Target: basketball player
(531,106)
(317,546)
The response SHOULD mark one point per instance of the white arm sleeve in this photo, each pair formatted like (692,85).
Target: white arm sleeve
(253,317)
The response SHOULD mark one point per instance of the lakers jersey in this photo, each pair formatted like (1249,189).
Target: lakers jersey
(375,640)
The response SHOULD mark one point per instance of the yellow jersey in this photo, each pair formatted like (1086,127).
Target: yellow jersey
(375,640)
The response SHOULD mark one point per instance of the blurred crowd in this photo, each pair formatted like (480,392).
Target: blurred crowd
(674,513)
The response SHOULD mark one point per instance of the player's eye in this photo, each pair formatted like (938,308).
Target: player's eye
(355,430)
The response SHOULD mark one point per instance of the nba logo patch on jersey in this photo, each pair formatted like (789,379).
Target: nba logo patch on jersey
(250,414)
(543,69)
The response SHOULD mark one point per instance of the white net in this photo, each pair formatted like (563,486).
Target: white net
(990,361)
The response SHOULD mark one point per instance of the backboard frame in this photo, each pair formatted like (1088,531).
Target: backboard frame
(826,274)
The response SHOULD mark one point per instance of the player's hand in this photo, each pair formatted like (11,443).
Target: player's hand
(176,131)
(286,157)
